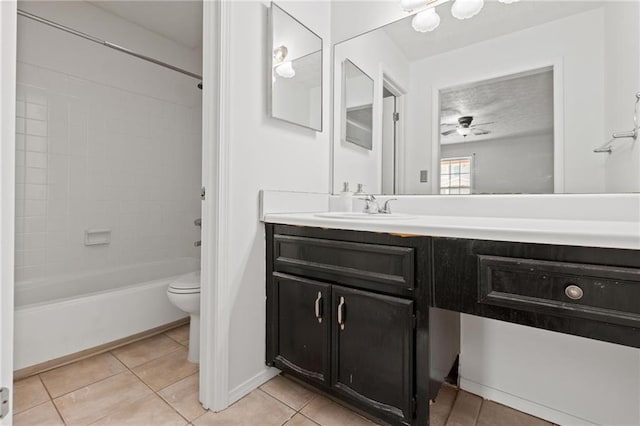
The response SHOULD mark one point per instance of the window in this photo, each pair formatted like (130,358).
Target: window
(455,175)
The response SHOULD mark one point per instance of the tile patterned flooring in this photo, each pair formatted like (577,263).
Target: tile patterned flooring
(151,383)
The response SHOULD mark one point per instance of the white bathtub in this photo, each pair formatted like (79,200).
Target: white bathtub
(65,315)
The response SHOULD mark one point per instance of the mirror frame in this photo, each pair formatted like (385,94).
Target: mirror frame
(269,68)
(343,106)
(558,117)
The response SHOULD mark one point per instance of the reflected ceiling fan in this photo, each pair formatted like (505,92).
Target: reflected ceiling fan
(465,128)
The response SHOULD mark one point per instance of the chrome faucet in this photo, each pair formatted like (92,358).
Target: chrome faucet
(373,207)
(198,223)
(386,207)
(371,204)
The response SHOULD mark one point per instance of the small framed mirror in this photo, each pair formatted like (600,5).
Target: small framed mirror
(357,105)
(295,70)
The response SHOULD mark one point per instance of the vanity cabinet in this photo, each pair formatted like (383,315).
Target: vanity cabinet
(584,291)
(348,312)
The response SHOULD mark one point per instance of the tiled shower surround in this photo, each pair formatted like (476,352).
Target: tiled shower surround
(94,156)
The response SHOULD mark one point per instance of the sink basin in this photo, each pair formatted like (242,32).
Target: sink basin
(364,216)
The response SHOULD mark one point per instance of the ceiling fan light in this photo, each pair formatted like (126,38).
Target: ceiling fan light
(286,70)
(463,131)
(508,1)
(425,21)
(465,9)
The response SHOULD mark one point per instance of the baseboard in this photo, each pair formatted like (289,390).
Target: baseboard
(32,370)
(253,383)
(521,404)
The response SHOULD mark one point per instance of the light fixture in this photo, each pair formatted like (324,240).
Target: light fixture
(426,20)
(465,9)
(463,131)
(508,1)
(279,53)
(286,70)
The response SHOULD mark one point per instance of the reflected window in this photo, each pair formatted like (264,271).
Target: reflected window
(455,175)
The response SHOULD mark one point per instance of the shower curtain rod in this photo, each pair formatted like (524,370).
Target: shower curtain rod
(106,43)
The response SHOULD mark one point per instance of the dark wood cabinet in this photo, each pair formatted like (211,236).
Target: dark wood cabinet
(585,291)
(300,332)
(373,350)
(372,318)
(349,312)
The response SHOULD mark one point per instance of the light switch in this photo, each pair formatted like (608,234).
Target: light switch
(424,174)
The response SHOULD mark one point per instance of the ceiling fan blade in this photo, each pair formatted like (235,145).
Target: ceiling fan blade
(449,124)
(448,132)
(482,124)
(480,132)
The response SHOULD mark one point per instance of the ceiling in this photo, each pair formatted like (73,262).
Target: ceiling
(494,20)
(177,20)
(518,105)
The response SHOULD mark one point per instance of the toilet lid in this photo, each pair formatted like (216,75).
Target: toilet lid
(188,283)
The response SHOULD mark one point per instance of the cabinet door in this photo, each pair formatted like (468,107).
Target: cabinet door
(298,326)
(373,351)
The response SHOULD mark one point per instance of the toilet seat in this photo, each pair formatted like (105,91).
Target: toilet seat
(186,284)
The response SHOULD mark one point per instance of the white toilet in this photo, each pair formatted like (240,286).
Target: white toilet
(184,293)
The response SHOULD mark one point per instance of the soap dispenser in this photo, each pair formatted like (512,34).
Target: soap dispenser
(346,198)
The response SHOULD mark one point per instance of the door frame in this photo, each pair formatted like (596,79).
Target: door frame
(8,37)
(215,293)
(398,90)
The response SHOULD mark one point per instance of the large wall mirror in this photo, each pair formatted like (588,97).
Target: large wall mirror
(513,100)
(295,71)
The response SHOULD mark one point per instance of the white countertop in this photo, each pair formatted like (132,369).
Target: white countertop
(588,233)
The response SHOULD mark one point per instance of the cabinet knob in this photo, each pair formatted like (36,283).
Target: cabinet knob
(573,292)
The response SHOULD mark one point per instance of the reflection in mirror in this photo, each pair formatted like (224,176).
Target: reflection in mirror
(512,100)
(358,105)
(496,136)
(296,71)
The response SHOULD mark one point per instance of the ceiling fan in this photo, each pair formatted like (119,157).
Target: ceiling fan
(465,128)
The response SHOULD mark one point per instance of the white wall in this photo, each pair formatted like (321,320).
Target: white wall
(622,81)
(519,164)
(264,154)
(373,54)
(104,140)
(575,43)
(351,18)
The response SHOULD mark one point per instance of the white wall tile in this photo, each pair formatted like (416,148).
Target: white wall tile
(102,156)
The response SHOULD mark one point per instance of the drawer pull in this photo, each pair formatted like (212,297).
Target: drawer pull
(341,313)
(573,292)
(318,306)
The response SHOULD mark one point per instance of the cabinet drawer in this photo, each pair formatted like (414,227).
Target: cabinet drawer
(596,292)
(370,266)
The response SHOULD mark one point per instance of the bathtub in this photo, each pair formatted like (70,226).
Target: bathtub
(65,315)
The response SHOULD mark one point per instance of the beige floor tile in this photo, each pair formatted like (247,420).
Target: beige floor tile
(183,397)
(146,350)
(257,408)
(166,370)
(28,393)
(465,410)
(82,373)
(180,334)
(300,420)
(150,410)
(328,413)
(41,415)
(439,412)
(289,392)
(95,401)
(493,414)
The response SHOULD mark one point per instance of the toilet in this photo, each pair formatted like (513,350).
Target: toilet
(184,293)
